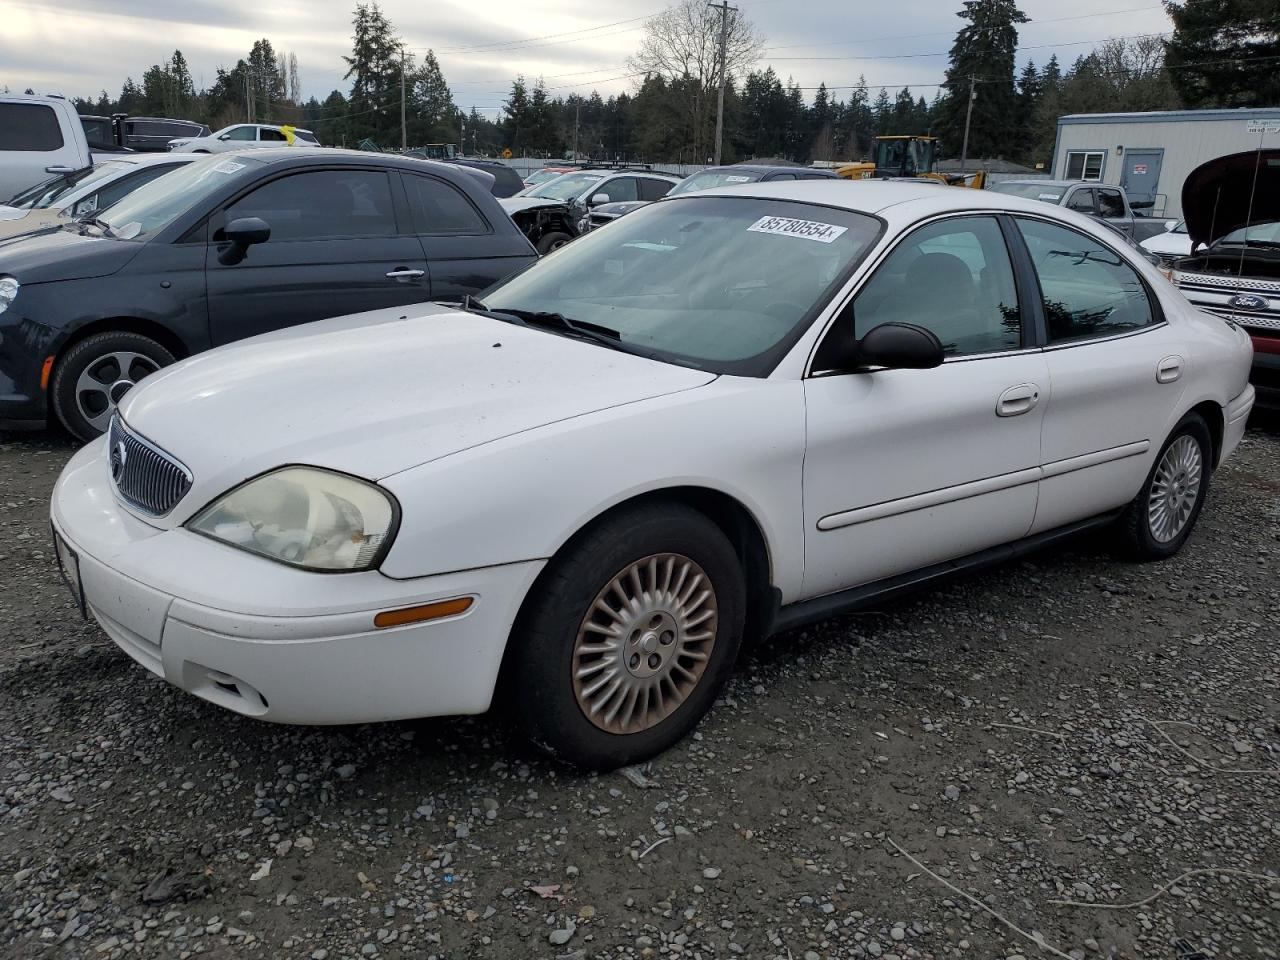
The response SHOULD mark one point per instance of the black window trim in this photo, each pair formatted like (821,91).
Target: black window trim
(1158,321)
(1024,304)
(217,217)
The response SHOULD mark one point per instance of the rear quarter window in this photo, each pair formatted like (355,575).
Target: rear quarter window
(29,126)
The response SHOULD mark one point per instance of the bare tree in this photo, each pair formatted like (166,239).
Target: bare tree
(295,85)
(681,45)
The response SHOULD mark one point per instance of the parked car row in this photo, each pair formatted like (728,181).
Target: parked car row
(121,132)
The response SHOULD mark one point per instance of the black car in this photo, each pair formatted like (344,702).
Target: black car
(506,182)
(226,247)
(148,134)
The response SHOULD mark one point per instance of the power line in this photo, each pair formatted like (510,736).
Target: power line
(949,33)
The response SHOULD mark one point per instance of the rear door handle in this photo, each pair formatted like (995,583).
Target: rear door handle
(1018,400)
(1168,370)
(404,274)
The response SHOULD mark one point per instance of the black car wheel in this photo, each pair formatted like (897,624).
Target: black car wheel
(552,240)
(629,636)
(93,376)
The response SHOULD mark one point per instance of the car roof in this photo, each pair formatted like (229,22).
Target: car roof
(1052,183)
(148,159)
(321,155)
(898,201)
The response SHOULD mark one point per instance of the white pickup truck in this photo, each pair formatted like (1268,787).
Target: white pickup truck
(40,137)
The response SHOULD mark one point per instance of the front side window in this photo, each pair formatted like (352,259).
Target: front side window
(617,189)
(238,133)
(29,127)
(953,277)
(718,283)
(440,209)
(322,205)
(1084,165)
(1110,204)
(1088,289)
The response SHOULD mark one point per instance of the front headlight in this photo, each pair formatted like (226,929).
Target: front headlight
(8,292)
(306,517)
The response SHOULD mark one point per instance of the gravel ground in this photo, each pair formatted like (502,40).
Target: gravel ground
(1068,728)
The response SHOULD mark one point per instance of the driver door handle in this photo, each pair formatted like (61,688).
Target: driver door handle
(1018,400)
(404,274)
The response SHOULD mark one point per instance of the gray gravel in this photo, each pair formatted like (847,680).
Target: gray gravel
(1067,728)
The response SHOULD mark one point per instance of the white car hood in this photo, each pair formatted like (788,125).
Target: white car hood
(28,220)
(1173,244)
(12,213)
(377,393)
(516,204)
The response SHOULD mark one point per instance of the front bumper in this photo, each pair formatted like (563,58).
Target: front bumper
(272,642)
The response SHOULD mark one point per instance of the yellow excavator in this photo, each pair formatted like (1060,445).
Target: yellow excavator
(913,157)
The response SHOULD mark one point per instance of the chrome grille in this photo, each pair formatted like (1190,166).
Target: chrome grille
(1254,320)
(1207,281)
(144,475)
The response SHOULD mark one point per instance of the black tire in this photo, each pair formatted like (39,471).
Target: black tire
(551,240)
(71,406)
(541,671)
(1137,540)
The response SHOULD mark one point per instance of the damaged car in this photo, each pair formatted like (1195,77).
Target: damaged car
(1232,210)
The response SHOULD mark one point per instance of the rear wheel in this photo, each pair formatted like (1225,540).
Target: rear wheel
(1161,517)
(94,375)
(552,240)
(634,630)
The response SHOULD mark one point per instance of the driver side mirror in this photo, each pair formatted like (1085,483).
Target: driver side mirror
(898,346)
(225,136)
(599,198)
(240,234)
(1169,225)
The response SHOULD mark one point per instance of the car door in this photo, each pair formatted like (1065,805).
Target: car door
(1115,373)
(1113,211)
(336,247)
(237,138)
(907,468)
(464,252)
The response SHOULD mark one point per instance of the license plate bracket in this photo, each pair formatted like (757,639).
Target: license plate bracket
(69,567)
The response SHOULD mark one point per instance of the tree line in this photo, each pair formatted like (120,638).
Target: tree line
(1221,53)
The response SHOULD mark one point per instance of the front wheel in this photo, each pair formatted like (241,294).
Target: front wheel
(1160,518)
(632,633)
(94,375)
(553,240)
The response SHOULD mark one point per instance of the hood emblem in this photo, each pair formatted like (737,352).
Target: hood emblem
(1249,301)
(119,454)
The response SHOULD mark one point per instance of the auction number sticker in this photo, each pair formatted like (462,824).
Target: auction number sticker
(806,229)
(228,166)
(737,179)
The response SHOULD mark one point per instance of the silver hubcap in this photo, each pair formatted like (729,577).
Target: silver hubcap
(106,380)
(1174,489)
(645,643)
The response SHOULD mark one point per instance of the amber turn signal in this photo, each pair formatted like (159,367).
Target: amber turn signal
(428,611)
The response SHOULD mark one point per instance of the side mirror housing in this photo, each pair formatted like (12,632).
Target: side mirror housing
(899,346)
(599,198)
(1169,225)
(240,234)
(225,136)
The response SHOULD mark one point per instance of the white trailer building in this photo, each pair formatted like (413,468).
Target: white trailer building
(1150,154)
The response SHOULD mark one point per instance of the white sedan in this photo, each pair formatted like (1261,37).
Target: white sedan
(728,414)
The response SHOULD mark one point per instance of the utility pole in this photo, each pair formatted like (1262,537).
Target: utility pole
(404,128)
(968,116)
(724,9)
(577,108)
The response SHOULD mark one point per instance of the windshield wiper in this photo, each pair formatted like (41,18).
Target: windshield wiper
(558,321)
(100,224)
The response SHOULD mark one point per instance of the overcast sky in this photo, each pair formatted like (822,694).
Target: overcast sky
(78,47)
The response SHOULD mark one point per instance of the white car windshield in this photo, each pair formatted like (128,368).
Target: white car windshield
(719,283)
(713,178)
(1049,193)
(568,187)
(156,204)
(46,194)
(1266,234)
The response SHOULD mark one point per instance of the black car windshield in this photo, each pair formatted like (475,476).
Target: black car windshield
(1049,193)
(719,283)
(568,187)
(714,178)
(155,205)
(1263,233)
(44,194)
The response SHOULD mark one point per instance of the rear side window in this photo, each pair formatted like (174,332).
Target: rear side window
(654,189)
(439,208)
(1088,289)
(322,205)
(275,136)
(781,176)
(304,135)
(1110,203)
(29,126)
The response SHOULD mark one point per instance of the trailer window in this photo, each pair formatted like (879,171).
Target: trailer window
(1084,165)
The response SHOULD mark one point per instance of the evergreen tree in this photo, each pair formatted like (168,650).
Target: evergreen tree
(515,124)
(374,71)
(882,112)
(1225,53)
(1029,91)
(983,51)
(432,103)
